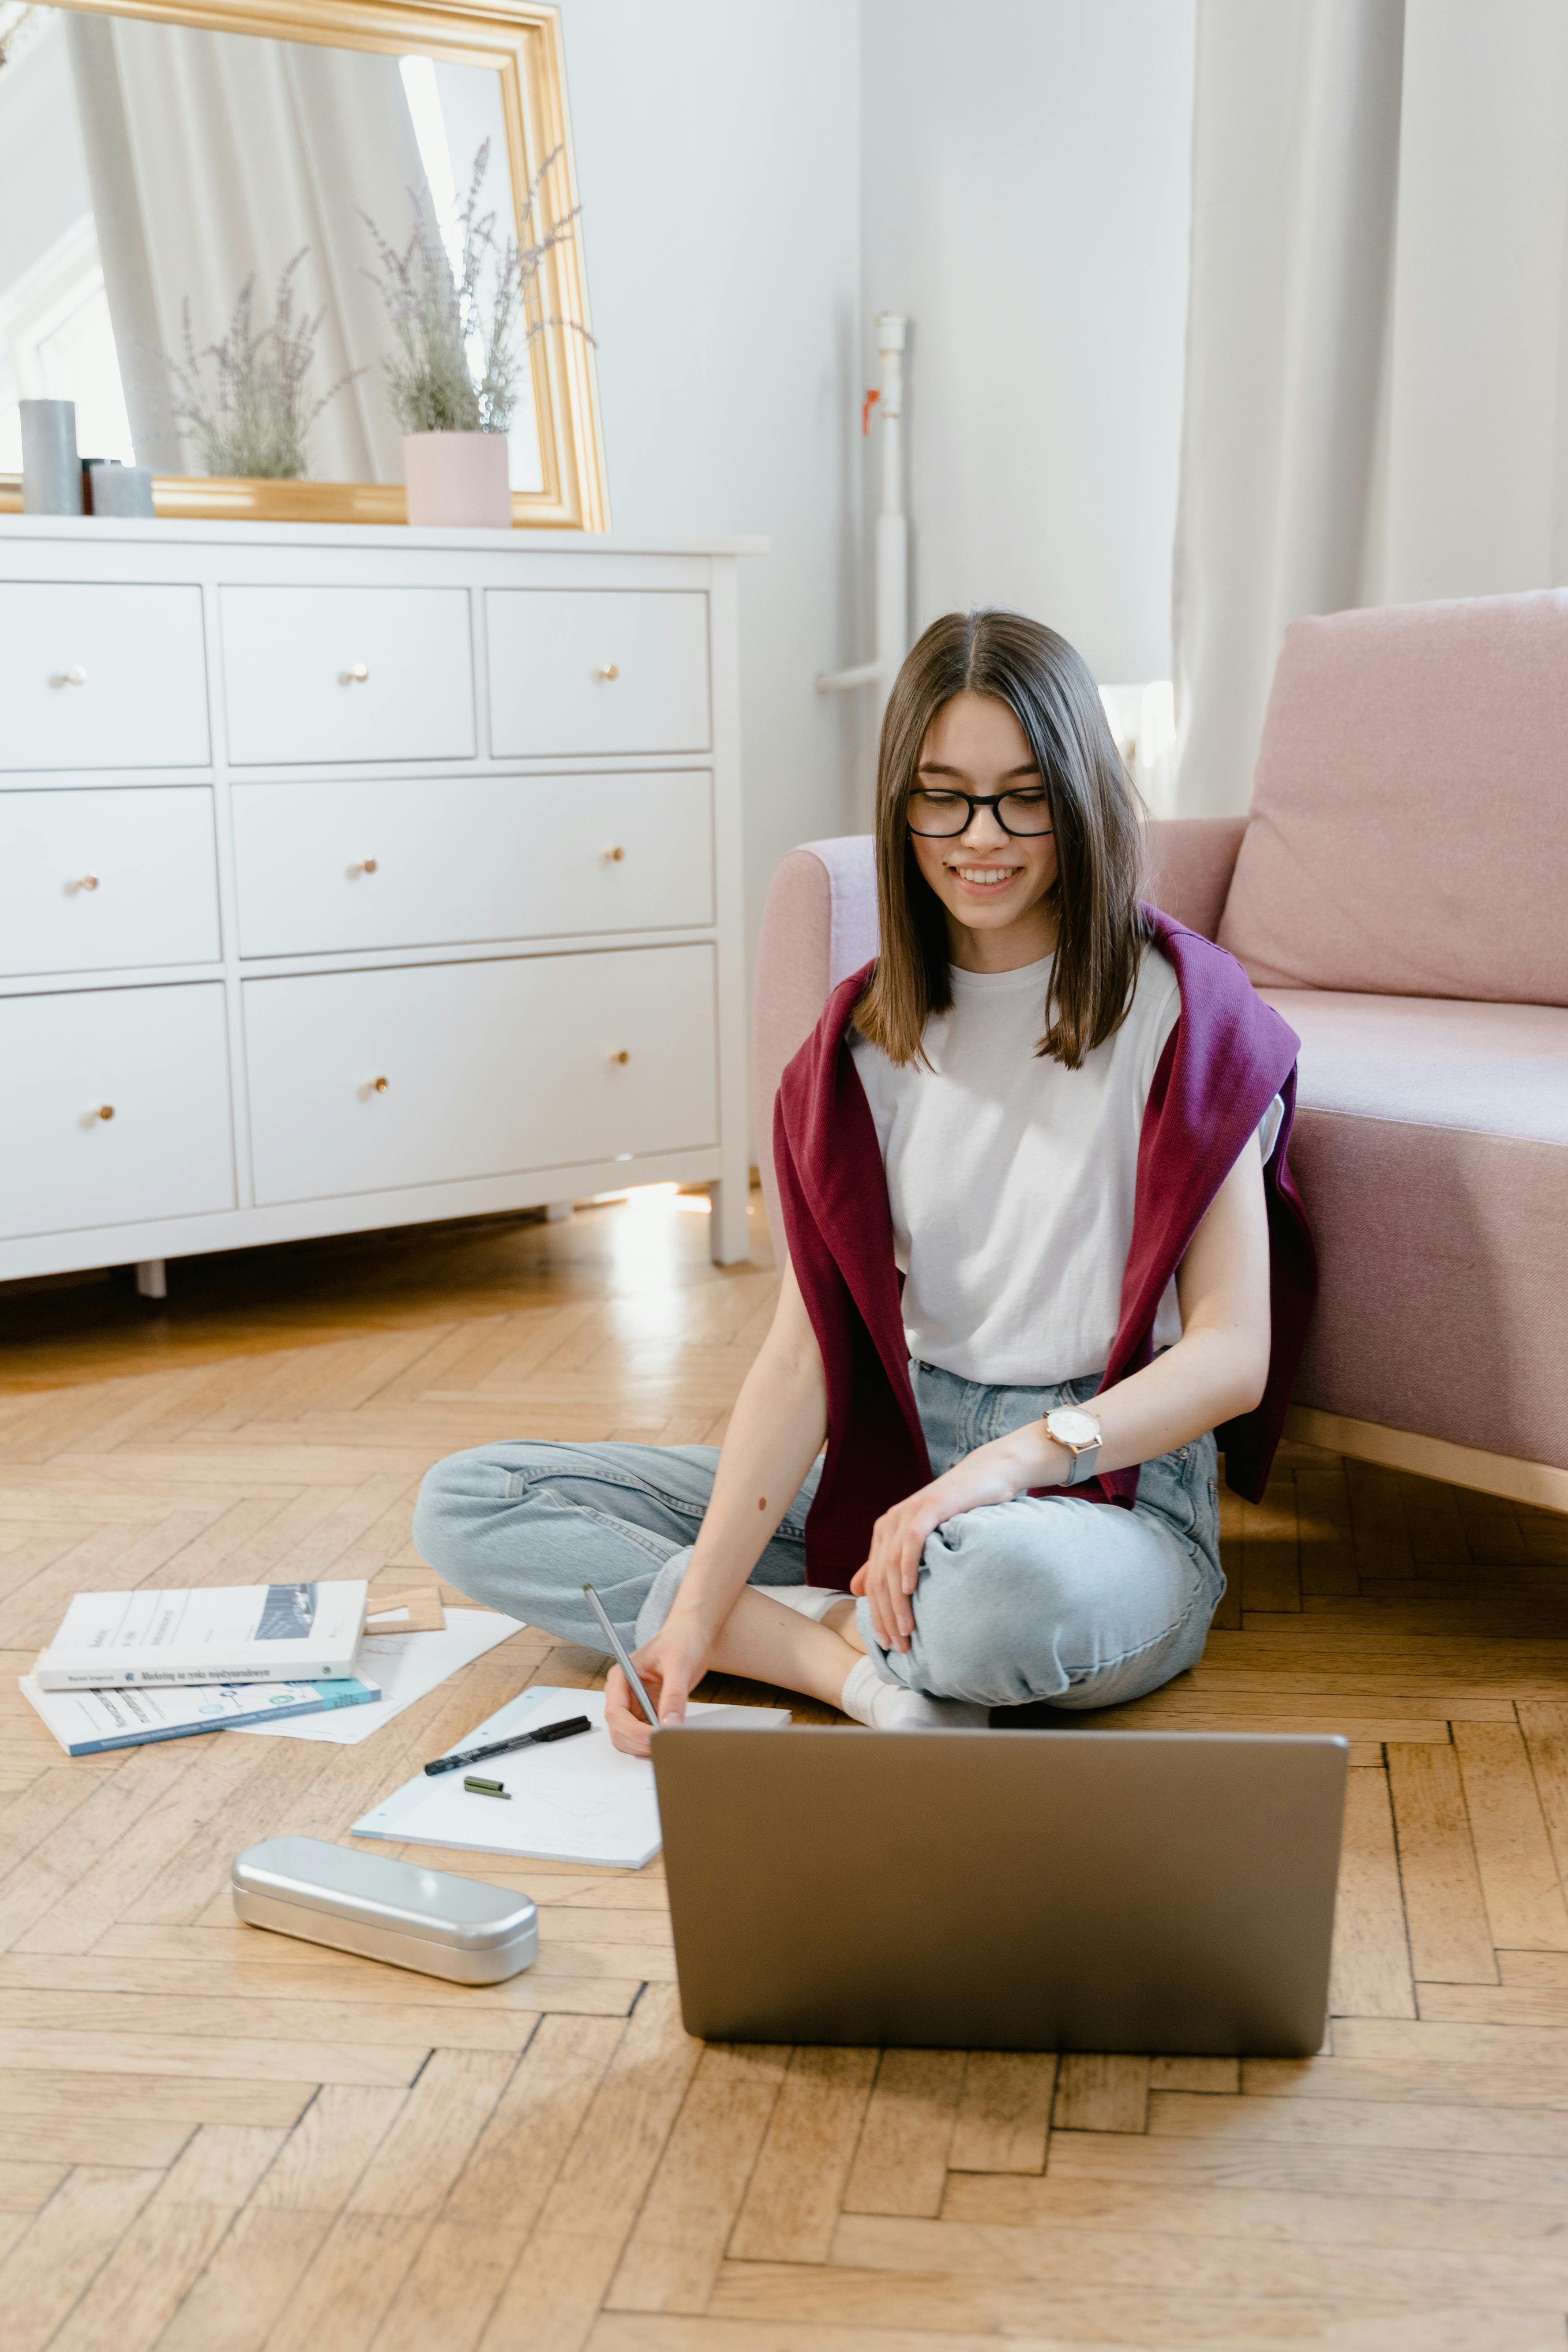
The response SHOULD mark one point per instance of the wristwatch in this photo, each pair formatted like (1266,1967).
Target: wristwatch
(1079,1433)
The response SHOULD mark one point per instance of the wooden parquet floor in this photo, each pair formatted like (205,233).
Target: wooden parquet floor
(217,2140)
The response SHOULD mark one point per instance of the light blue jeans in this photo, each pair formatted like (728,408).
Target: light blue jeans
(1056,1598)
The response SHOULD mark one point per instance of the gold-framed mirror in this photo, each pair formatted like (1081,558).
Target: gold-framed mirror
(215,140)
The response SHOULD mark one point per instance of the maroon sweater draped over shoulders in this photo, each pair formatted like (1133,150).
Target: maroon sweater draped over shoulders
(1227,1058)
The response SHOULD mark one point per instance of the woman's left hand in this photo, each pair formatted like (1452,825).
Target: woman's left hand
(992,1473)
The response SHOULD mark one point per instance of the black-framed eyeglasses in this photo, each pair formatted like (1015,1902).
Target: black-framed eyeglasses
(942,815)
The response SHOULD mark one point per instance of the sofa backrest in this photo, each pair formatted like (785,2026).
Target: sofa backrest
(1409,826)
(820,924)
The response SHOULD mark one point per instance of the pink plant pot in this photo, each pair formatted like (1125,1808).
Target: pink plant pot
(459,480)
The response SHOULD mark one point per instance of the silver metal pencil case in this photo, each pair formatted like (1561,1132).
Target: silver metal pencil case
(386,1910)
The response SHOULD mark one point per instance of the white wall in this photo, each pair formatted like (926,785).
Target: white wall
(757,182)
(1025,196)
(717,158)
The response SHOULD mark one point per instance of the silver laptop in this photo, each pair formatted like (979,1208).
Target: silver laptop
(1161,1891)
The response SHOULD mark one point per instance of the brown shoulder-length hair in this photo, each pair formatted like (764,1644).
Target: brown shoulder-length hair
(1100,927)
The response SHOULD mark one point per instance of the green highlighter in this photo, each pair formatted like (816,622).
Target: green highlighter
(477,1788)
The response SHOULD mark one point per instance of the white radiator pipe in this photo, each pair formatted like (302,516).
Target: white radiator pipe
(840,682)
(892,529)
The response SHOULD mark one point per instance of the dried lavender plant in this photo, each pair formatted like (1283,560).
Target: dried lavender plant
(258,416)
(460,354)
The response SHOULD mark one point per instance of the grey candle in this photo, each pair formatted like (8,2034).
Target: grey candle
(51,471)
(116,489)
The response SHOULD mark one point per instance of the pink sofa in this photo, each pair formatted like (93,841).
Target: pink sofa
(1400,891)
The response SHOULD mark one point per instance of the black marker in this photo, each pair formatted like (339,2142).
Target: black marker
(540,1738)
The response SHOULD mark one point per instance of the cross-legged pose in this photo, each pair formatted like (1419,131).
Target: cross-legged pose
(1036,1200)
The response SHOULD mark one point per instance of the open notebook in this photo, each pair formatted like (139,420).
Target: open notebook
(579,1800)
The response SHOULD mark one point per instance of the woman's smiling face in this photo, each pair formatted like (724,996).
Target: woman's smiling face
(992,883)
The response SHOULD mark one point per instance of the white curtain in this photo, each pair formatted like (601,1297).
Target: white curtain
(1376,403)
(212,155)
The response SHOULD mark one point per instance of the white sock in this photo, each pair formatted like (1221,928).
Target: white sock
(811,1600)
(889,1706)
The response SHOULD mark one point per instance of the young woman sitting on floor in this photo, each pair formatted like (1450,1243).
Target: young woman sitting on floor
(1032,1162)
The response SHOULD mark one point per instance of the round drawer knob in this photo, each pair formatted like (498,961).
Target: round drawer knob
(615,855)
(85,882)
(378,1085)
(106,1111)
(75,676)
(607,669)
(622,1057)
(356,674)
(365,866)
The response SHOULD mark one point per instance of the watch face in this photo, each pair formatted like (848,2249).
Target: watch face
(1071,1427)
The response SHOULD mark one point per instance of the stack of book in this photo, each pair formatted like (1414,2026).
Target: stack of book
(127,1667)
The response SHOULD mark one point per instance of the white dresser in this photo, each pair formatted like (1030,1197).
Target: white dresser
(352,878)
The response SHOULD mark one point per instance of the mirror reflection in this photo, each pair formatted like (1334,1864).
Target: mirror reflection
(149,172)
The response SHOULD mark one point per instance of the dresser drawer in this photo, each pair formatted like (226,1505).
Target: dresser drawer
(157,1059)
(597,670)
(101,676)
(347,673)
(532,1063)
(91,880)
(406,864)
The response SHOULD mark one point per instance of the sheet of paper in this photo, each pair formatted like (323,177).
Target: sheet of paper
(405,1665)
(579,1800)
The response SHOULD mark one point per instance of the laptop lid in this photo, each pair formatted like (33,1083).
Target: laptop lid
(1170,1892)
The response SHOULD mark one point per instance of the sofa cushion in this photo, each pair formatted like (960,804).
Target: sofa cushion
(1483,1069)
(1409,831)
(1431,1147)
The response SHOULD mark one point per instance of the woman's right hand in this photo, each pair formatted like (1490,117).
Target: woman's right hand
(671,1666)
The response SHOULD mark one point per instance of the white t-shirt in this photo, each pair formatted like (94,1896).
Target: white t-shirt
(1011,1179)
